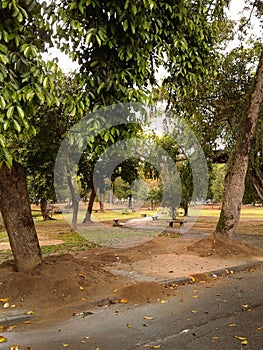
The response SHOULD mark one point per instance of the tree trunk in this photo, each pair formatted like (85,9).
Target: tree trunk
(44,209)
(90,206)
(17,217)
(75,203)
(238,163)
(257,181)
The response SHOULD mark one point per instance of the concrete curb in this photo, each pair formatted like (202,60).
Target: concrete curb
(13,319)
(215,273)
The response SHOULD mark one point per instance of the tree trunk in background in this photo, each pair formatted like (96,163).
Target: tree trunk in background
(17,217)
(238,163)
(90,206)
(44,209)
(75,203)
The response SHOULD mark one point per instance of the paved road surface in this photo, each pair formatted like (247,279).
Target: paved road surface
(204,317)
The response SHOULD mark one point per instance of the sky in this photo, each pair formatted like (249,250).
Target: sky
(235,12)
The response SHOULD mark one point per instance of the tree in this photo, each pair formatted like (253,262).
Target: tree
(118,46)
(238,164)
(25,83)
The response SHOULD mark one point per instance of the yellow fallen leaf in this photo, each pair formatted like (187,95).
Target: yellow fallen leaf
(65,345)
(232,272)
(81,288)
(87,337)
(240,338)
(4,300)
(124,301)
(148,317)
(155,346)
(115,290)
(29,313)
(244,342)
(232,325)
(128,325)
(195,296)
(192,279)
(14,347)
(194,311)
(81,275)
(28,322)
(6,305)
(10,328)
(164,301)
(2,339)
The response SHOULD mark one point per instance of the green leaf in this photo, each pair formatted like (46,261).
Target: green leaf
(20,112)
(10,112)
(17,125)
(2,102)
(2,140)
(8,157)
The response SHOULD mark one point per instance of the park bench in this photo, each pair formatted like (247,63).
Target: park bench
(116,222)
(155,217)
(180,221)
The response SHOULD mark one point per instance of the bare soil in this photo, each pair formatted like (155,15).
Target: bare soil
(66,284)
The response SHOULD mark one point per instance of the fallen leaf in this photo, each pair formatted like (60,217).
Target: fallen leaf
(148,317)
(115,290)
(128,325)
(124,301)
(29,313)
(195,296)
(155,346)
(2,339)
(259,328)
(232,272)
(4,300)
(194,311)
(240,338)
(244,342)
(164,301)
(10,328)
(6,305)
(232,325)
(81,288)
(192,279)
(28,322)
(65,345)
(145,325)
(14,347)
(81,275)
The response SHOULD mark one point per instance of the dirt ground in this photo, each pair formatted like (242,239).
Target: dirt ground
(68,284)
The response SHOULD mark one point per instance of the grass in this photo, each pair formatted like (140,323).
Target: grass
(105,234)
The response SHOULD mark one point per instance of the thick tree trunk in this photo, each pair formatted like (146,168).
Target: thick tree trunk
(90,206)
(17,217)
(238,163)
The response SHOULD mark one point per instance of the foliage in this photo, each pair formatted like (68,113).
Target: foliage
(26,81)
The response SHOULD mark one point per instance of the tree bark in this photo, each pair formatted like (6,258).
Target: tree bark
(90,206)
(257,181)
(44,210)
(238,163)
(17,217)
(75,203)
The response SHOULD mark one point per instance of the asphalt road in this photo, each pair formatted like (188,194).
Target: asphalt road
(226,315)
